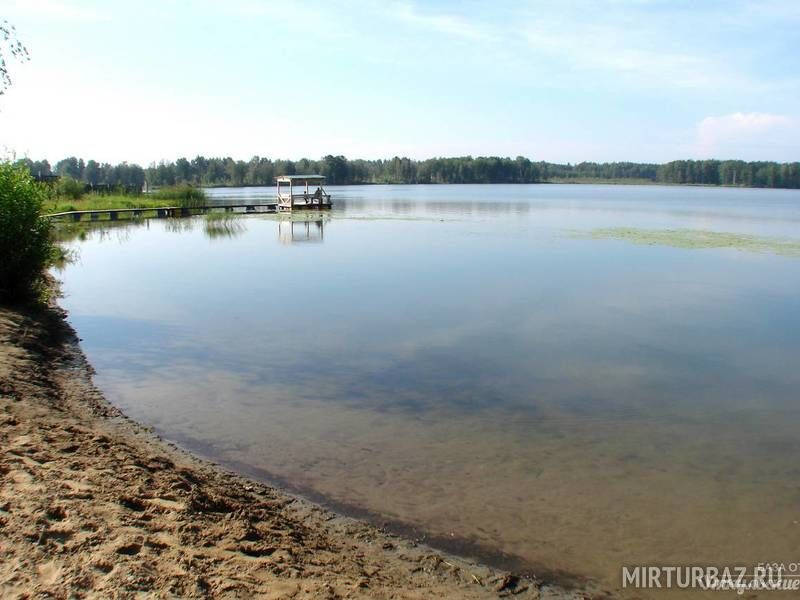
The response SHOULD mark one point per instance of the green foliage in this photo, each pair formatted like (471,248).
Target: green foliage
(339,170)
(731,172)
(202,171)
(591,171)
(105,178)
(67,187)
(26,244)
(102,202)
(467,169)
(70,167)
(10,46)
(187,196)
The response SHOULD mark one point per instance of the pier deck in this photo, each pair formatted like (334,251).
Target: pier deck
(165,211)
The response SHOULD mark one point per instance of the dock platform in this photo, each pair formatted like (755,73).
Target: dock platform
(163,211)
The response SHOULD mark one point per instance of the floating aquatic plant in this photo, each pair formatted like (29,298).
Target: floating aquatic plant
(695,239)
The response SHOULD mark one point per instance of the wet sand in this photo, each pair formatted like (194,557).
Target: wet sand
(93,505)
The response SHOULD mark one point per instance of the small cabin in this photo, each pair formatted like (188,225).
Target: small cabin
(302,191)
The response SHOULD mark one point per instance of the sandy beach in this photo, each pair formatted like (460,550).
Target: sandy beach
(93,505)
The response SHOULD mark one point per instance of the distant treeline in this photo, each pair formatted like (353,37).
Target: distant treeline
(97,175)
(465,169)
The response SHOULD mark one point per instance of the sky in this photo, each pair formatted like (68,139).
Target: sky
(555,80)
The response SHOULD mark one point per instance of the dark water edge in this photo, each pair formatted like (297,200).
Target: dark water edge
(456,545)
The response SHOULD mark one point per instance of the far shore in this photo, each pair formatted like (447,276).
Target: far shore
(95,201)
(553,181)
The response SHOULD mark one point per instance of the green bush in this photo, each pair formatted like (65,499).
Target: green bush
(68,187)
(26,244)
(186,195)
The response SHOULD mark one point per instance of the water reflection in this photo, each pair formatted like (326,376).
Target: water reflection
(180,224)
(102,231)
(579,403)
(301,229)
(302,226)
(223,225)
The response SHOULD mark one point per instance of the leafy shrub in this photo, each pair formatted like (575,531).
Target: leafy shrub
(186,195)
(26,244)
(70,188)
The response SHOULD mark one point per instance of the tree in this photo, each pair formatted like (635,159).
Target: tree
(70,167)
(199,167)
(92,173)
(183,171)
(26,245)
(334,168)
(10,47)
(463,169)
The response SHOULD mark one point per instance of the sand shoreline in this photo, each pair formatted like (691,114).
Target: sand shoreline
(94,505)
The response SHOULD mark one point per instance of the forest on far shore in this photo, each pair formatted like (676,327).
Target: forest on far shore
(465,169)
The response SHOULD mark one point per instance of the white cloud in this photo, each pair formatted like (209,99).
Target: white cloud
(52,9)
(626,50)
(747,135)
(441,23)
(661,45)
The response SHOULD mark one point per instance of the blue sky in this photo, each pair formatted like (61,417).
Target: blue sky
(566,81)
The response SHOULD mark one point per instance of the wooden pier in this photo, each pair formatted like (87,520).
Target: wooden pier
(164,211)
(284,201)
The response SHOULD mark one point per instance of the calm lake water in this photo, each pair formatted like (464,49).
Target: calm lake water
(461,360)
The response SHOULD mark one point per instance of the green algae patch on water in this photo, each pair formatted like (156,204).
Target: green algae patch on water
(695,239)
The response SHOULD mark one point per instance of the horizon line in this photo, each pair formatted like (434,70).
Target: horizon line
(164,161)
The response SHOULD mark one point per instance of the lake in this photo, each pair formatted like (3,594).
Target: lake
(535,375)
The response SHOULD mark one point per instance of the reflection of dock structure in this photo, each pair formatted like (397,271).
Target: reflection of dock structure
(291,231)
(306,198)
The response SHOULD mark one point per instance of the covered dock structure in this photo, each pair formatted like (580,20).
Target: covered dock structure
(304,191)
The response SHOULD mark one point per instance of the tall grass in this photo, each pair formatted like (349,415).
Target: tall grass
(26,243)
(102,202)
(68,195)
(187,196)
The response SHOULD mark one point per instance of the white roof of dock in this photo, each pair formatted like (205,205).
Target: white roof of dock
(296,178)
